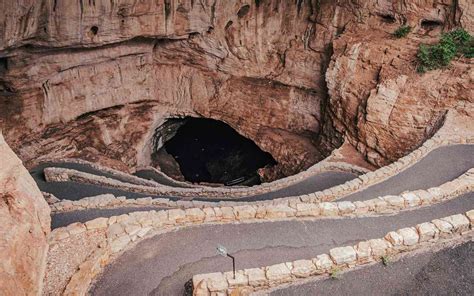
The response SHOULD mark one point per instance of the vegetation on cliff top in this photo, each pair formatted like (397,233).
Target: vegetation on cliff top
(455,43)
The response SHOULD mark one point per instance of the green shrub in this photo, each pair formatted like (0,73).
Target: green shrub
(402,31)
(386,260)
(457,42)
(335,273)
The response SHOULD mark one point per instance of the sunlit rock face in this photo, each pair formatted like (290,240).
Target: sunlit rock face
(25,223)
(96,79)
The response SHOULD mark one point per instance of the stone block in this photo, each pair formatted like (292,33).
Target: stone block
(381,206)
(343,255)
(364,252)
(470,216)
(279,211)
(379,247)
(216,282)
(114,230)
(425,197)
(256,277)
(177,216)
(460,222)
(303,268)
(261,212)
(410,236)
(279,273)
(244,212)
(323,263)
(132,229)
(346,207)
(227,214)
(394,238)
(361,207)
(119,243)
(210,215)
(97,223)
(307,210)
(76,228)
(427,231)
(411,199)
(445,228)
(395,201)
(160,219)
(329,209)
(241,279)
(195,215)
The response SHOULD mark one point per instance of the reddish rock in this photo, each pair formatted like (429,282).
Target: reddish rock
(24,225)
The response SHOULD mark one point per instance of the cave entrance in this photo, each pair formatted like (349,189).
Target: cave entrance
(209,151)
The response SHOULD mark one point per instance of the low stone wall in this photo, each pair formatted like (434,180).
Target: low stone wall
(120,175)
(340,258)
(54,174)
(109,200)
(235,191)
(124,231)
(357,184)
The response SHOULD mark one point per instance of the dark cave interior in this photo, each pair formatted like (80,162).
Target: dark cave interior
(210,151)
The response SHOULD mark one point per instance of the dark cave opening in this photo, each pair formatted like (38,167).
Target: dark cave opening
(210,151)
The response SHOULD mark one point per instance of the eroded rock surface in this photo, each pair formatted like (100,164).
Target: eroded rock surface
(95,79)
(25,223)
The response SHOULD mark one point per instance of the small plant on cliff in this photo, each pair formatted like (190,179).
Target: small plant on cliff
(439,55)
(402,31)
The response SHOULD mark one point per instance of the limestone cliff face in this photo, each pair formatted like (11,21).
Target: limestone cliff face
(377,99)
(25,223)
(94,79)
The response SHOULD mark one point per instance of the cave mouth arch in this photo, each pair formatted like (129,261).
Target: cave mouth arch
(208,151)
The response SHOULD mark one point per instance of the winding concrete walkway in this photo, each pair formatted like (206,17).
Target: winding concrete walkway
(450,162)
(162,264)
(75,191)
(447,272)
(438,167)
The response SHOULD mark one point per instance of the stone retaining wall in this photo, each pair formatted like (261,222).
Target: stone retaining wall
(54,174)
(109,200)
(125,230)
(357,184)
(129,178)
(340,258)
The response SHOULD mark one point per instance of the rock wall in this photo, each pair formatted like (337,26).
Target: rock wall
(377,98)
(95,79)
(226,60)
(25,223)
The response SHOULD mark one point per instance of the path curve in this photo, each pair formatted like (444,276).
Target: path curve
(447,272)
(162,264)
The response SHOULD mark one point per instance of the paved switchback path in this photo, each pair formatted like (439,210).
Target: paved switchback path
(439,166)
(76,191)
(162,264)
(447,272)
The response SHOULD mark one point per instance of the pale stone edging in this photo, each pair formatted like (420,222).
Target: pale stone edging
(180,183)
(339,258)
(54,174)
(109,200)
(126,230)
(329,194)
(119,174)
(235,191)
